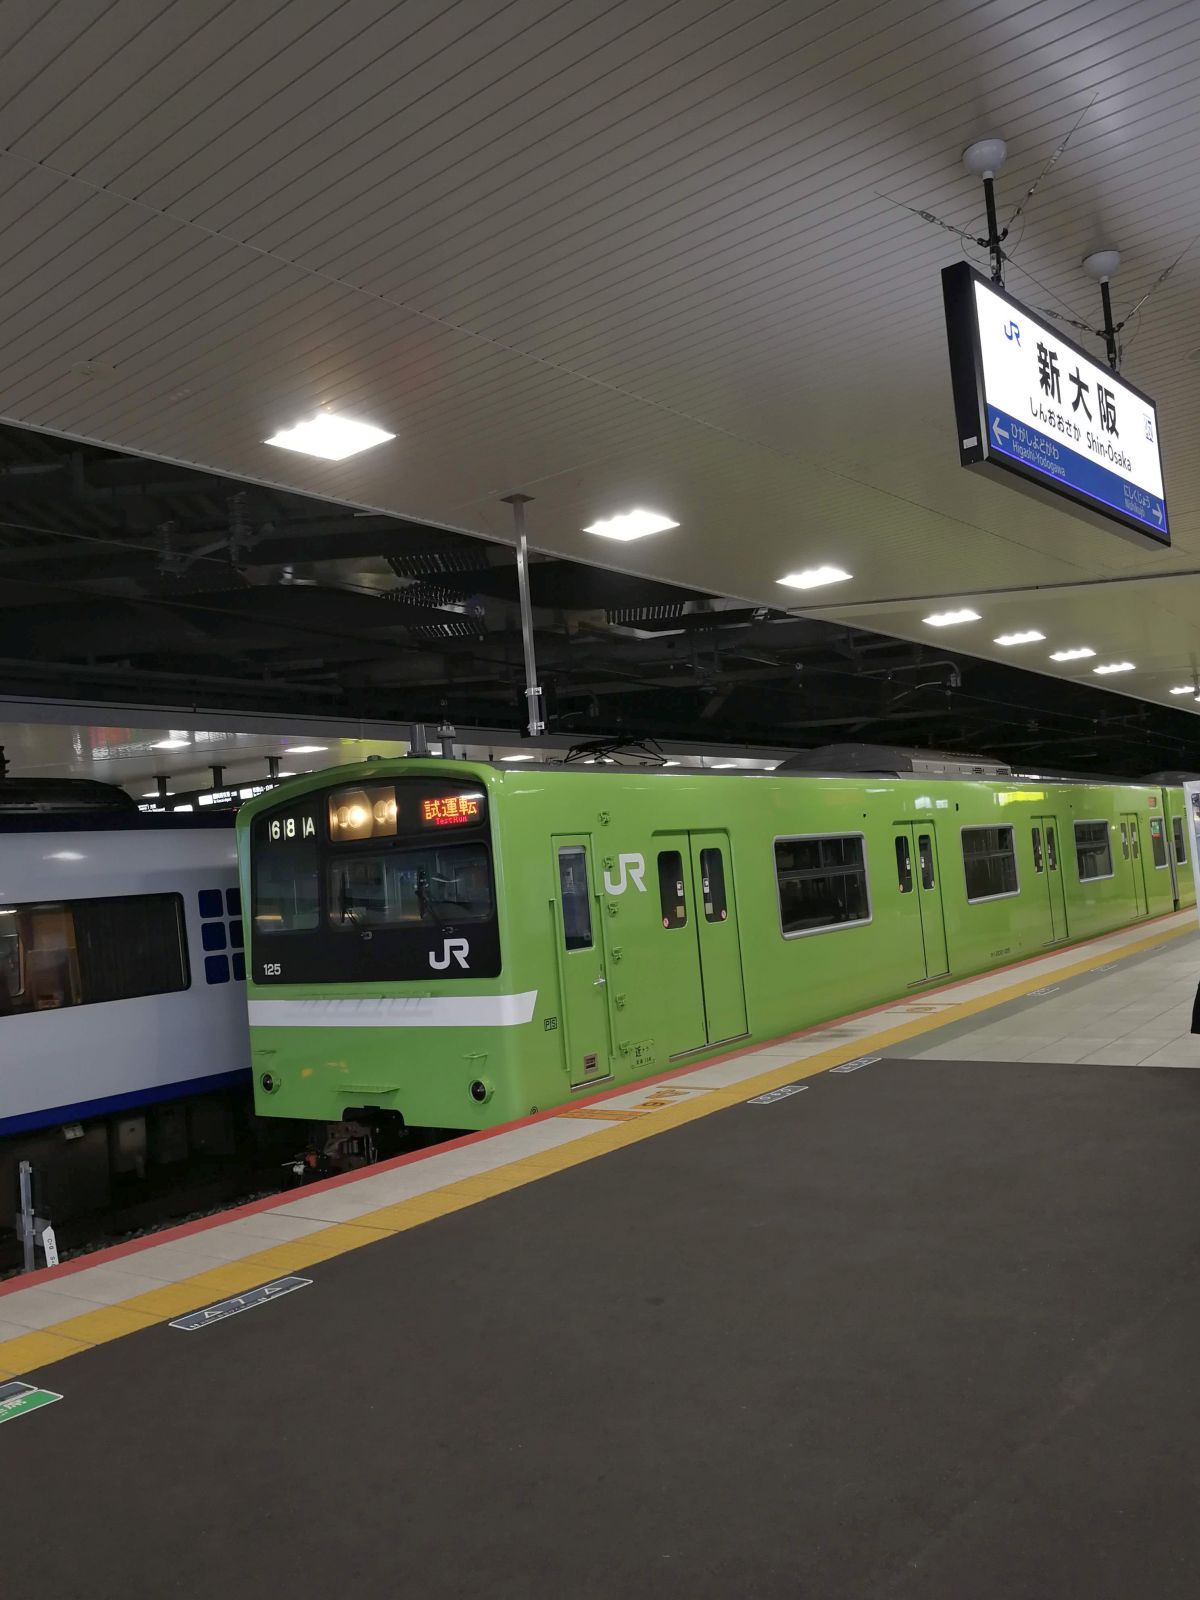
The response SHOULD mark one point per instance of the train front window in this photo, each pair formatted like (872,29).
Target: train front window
(287,894)
(432,885)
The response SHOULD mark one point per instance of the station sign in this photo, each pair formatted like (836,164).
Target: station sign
(1036,408)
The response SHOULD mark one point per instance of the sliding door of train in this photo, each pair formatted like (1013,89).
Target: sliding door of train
(1048,867)
(717,937)
(582,968)
(1131,851)
(697,963)
(920,876)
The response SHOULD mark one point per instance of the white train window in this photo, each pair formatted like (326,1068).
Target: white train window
(80,952)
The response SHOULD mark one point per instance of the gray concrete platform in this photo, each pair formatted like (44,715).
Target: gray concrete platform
(927,1328)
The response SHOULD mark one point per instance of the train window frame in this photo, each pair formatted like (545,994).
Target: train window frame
(824,927)
(1093,822)
(925,860)
(570,948)
(1039,860)
(716,905)
(904,871)
(1158,843)
(1011,852)
(163,898)
(1179,841)
(677,902)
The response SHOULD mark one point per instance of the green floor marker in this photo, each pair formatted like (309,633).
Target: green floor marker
(17,1398)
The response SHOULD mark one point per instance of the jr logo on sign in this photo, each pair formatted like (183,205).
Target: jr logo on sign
(460,949)
(630,869)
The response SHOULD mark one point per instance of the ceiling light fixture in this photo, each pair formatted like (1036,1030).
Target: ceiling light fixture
(1185,688)
(1073,655)
(171,744)
(516,758)
(1030,636)
(947,619)
(1114,666)
(305,749)
(329,437)
(813,577)
(631,525)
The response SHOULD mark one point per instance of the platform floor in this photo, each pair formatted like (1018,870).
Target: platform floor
(924,1327)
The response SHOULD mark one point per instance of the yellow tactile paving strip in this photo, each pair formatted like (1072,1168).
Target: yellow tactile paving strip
(42,1348)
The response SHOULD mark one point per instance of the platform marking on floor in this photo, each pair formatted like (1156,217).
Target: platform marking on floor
(37,1349)
(16,1399)
(261,1295)
(853,1066)
(772,1095)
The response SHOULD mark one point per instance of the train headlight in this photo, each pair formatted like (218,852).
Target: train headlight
(268,1082)
(481,1091)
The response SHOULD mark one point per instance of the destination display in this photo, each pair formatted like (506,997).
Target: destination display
(1031,403)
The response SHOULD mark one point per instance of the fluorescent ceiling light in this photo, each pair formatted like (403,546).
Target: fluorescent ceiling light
(672,763)
(1030,636)
(631,525)
(1114,666)
(516,758)
(332,438)
(151,794)
(1185,688)
(947,619)
(171,744)
(721,766)
(1073,655)
(306,749)
(813,577)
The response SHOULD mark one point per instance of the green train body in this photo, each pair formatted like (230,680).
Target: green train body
(457,945)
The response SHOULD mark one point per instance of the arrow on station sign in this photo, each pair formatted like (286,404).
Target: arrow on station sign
(998,433)
(1157,513)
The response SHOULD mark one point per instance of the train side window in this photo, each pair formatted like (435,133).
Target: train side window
(1158,845)
(1124,842)
(1051,850)
(822,883)
(576,898)
(670,889)
(1177,833)
(1093,851)
(1038,864)
(87,951)
(925,853)
(989,863)
(903,864)
(712,882)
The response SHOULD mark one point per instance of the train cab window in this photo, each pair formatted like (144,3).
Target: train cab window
(671,895)
(1177,835)
(712,886)
(405,888)
(925,855)
(822,883)
(1158,845)
(576,898)
(989,863)
(85,951)
(287,895)
(1093,850)
(903,864)
(1039,864)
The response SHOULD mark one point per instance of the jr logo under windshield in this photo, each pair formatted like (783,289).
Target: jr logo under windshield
(631,869)
(460,949)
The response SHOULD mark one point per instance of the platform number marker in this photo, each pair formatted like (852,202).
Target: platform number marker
(238,1303)
(16,1398)
(772,1095)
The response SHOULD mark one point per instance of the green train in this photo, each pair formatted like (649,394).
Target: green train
(441,944)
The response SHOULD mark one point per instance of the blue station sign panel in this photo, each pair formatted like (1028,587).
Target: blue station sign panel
(1036,408)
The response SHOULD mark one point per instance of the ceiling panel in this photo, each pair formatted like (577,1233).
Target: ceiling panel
(604,251)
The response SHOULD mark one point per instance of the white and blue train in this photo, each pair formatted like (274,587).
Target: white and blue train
(123,1035)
